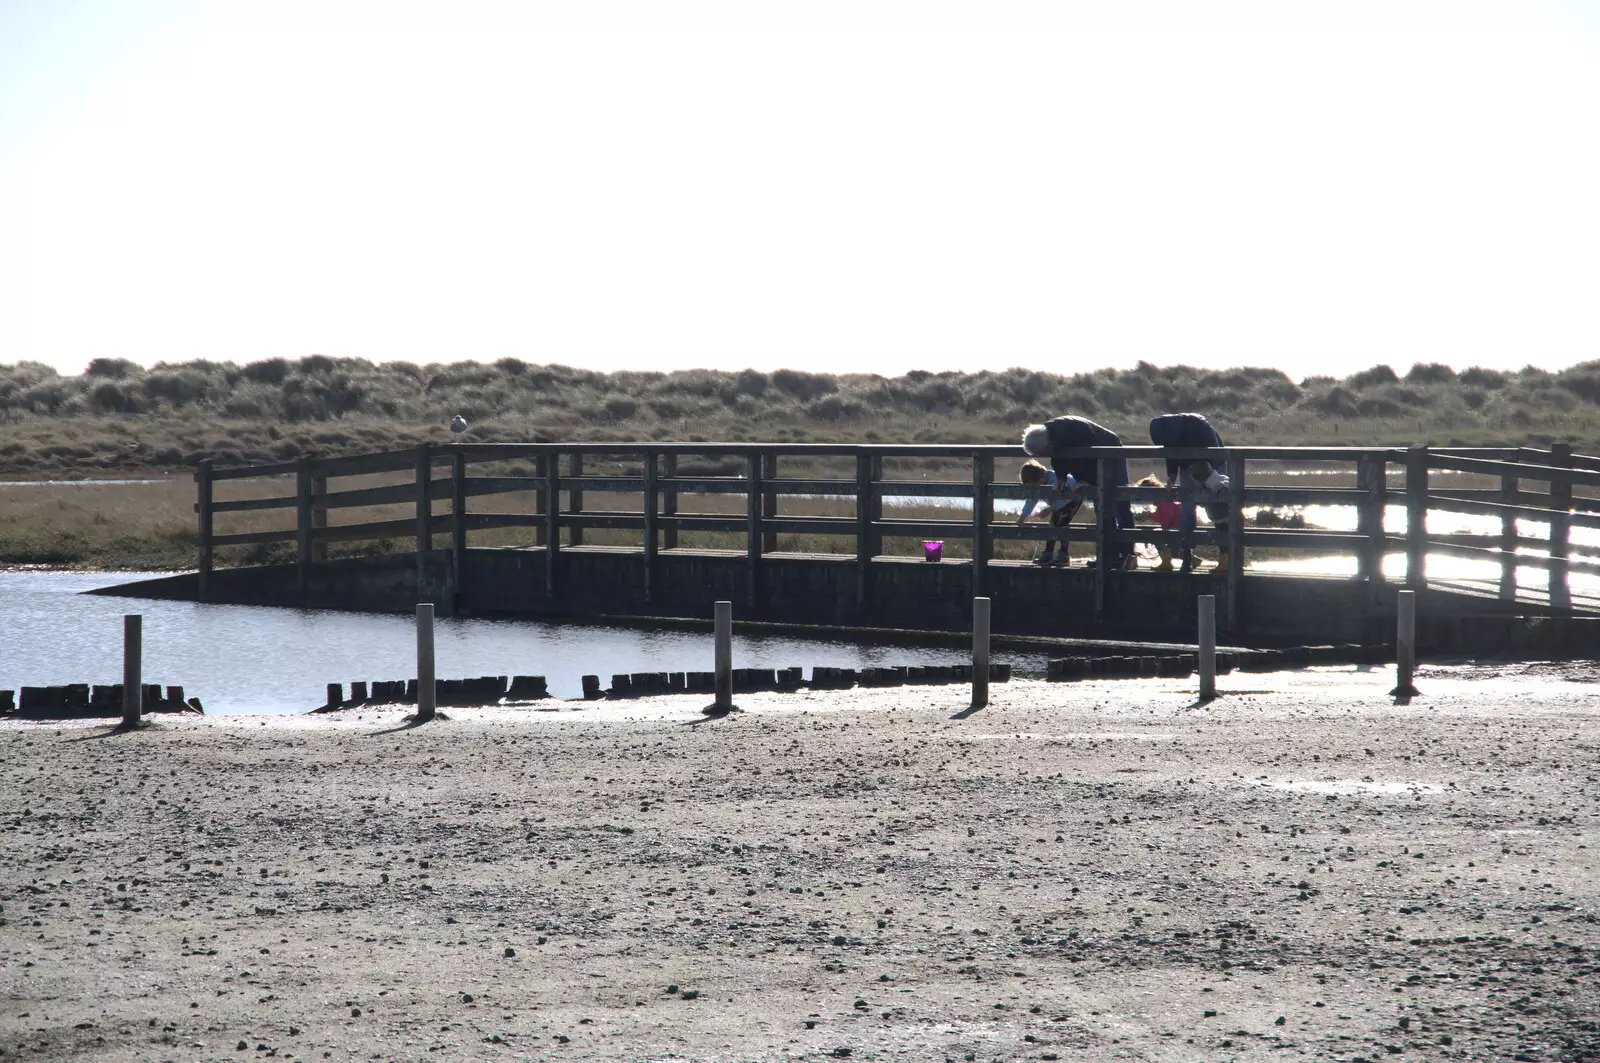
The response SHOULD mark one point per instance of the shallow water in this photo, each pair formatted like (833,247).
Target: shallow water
(254,659)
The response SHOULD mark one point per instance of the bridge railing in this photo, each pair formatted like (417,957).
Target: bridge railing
(558,480)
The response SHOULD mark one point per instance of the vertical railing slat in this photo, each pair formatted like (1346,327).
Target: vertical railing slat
(458,525)
(203,529)
(1560,529)
(302,524)
(552,520)
(669,502)
(864,535)
(650,500)
(424,533)
(1509,487)
(769,502)
(1417,518)
(982,516)
(1105,526)
(1233,616)
(753,538)
(575,502)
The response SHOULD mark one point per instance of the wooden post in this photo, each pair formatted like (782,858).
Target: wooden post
(1509,487)
(458,525)
(1417,517)
(202,508)
(1105,526)
(753,466)
(132,669)
(982,515)
(319,517)
(865,490)
(1234,543)
(426,688)
(769,502)
(552,521)
(669,503)
(1405,644)
(424,515)
(575,502)
(541,496)
(649,525)
(1208,646)
(723,633)
(302,523)
(1560,529)
(1372,477)
(980,652)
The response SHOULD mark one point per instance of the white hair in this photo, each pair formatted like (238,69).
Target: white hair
(1036,440)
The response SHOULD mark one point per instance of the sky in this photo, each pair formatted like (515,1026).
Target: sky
(834,185)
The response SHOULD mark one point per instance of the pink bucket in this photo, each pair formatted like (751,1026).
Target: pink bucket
(933,549)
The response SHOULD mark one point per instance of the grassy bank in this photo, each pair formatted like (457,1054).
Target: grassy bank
(120,417)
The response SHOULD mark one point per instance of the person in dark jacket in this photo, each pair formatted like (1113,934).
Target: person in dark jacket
(1182,430)
(1065,433)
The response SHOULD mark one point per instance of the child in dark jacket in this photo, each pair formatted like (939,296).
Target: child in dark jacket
(1061,497)
(1211,490)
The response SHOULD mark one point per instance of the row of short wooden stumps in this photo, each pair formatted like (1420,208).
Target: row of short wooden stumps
(1182,665)
(87,700)
(493,690)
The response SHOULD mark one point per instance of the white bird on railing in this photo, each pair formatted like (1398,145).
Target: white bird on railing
(458,424)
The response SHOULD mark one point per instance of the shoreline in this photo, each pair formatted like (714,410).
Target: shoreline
(1079,871)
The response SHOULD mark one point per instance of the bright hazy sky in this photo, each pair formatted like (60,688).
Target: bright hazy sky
(837,185)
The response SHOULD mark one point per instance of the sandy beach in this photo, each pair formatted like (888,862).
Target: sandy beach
(1090,871)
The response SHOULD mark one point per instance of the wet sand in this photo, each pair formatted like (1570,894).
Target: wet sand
(1080,872)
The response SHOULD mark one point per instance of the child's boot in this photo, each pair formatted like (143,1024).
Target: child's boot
(1188,561)
(1048,556)
(1166,559)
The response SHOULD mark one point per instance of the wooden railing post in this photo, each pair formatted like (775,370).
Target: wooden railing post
(552,521)
(302,524)
(769,502)
(1509,488)
(649,525)
(541,496)
(1105,526)
(575,502)
(202,508)
(669,503)
(1417,517)
(424,531)
(753,539)
(458,524)
(1208,646)
(1560,529)
(1372,478)
(982,517)
(865,490)
(319,517)
(1234,544)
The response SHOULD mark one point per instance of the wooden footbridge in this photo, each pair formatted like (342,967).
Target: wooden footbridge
(831,535)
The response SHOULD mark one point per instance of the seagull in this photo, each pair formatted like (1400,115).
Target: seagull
(458,424)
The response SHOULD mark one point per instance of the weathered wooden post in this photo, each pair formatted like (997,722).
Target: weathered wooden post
(541,497)
(319,515)
(1405,644)
(669,502)
(458,525)
(982,517)
(650,537)
(1105,529)
(980,652)
(552,521)
(575,500)
(1560,529)
(769,501)
(1509,488)
(753,540)
(424,518)
(202,508)
(302,523)
(1417,517)
(1372,478)
(132,669)
(1234,542)
(1208,645)
(427,689)
(723,633)
(865,542)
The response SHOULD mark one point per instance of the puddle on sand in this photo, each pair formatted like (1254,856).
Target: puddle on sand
(1350,786)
